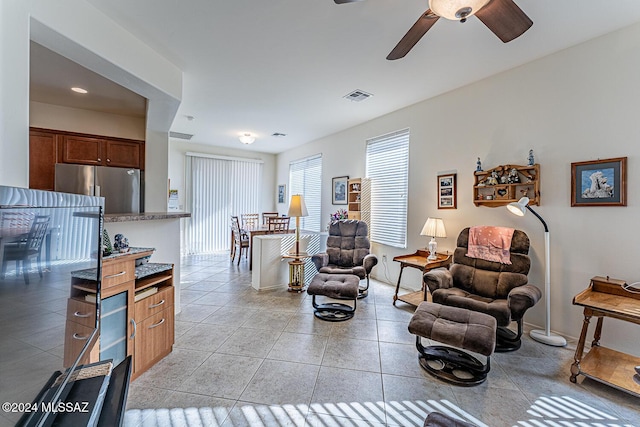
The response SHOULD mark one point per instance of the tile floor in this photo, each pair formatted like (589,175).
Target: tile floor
(248,358)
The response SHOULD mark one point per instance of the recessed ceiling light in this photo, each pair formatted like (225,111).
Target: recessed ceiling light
(79,90)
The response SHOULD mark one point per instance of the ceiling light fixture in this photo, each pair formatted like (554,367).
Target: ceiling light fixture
(456,10)
(247,138)
(79,90)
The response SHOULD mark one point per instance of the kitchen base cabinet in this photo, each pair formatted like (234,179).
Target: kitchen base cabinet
(136,311)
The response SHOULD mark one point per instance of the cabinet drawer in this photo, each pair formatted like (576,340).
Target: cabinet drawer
(155,303)
(117,272)
(76,336)
(81,312)
(154,339)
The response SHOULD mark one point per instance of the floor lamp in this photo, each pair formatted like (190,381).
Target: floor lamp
(546,337)
(297,208)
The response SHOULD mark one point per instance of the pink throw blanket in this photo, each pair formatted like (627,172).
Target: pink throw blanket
(490,243)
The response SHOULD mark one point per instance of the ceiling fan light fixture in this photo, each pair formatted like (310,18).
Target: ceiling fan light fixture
(456,10)
(247,138)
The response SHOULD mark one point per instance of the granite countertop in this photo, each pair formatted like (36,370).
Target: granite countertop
(144,216)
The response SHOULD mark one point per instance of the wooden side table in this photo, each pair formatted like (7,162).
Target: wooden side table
(605,297)
(418,260)
(296,271)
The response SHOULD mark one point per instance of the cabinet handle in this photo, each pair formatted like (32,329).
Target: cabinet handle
(135,328)
(78,314)
(80,337)
(99,159)
(156,305)
(108,160)
(157,324)
(111,276)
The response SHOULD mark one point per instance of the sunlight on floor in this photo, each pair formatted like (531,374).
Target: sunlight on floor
(549,411)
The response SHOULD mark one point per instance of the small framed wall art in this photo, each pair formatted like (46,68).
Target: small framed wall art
(599,182)
(447,191)
(339,190)
(282,193)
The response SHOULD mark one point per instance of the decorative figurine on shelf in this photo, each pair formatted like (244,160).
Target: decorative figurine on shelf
(513,177)
(493,179)
(531,159)
(121,243)
(478,165)
(504,179)
(107,249)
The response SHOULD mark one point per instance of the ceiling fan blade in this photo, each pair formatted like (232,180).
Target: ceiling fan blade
(505,19)
(414,35)
(345,1)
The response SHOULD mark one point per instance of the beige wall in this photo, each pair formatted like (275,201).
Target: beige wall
(578,104)
(85,121)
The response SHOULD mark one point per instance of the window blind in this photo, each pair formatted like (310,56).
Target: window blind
(217,189)
(305,177)
(387,164)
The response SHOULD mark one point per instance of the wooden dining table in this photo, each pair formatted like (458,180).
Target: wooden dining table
(259,230)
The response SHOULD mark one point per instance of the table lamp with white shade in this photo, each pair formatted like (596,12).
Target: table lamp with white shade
(520,208)
(434,227)
(297,208)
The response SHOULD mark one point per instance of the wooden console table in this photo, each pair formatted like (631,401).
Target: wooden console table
(418,260)
(605,297)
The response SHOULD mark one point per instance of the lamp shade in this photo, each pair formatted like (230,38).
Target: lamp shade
(520,207)
(434,227)
(456,9)
(297,207)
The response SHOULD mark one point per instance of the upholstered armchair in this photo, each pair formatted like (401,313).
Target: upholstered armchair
(495,288)
(347,252)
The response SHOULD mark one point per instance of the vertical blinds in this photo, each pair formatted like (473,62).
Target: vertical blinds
(219,188)
(387,165)
(305,177)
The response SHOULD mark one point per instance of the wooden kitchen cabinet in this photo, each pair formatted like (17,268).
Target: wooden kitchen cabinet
(81,150)
(136,311)
(85,150)
(48,147)
(43,156)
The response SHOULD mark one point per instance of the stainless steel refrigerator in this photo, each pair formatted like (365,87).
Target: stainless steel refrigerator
(120,187)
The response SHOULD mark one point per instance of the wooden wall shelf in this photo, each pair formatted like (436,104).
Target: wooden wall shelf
(505,184)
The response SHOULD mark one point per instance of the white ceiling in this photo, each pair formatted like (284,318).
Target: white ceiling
(284,65)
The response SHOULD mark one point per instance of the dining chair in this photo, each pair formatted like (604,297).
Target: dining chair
(279,224)
(250,220)
(267,215)
(24,249)
(240,239)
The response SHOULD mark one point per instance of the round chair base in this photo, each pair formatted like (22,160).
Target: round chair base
(334,312)
(453,365)
(506,340)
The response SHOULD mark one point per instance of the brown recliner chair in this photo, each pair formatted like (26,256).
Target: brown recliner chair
(347,252)
(500,290)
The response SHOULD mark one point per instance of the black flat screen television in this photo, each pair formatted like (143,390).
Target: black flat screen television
(44,236)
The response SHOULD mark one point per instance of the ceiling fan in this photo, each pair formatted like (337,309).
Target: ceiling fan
(503,17)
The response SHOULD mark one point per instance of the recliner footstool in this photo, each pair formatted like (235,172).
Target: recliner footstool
(461,329)
(337,286)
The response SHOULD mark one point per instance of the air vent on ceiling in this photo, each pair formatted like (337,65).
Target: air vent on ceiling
(278,134)
(357,95)
(179,135)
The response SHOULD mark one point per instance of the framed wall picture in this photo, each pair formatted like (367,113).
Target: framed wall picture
(447,197)
(599,182)
(339,190)
(282,193)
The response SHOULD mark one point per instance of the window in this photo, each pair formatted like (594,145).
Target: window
(388,167)
(305,177)
(218,187)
